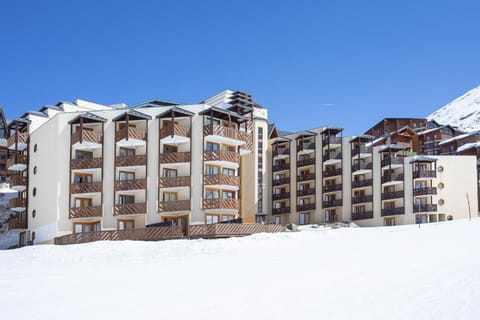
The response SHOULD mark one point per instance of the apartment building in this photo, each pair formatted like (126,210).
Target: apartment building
(81,167)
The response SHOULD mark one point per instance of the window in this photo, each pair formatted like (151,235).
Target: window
(212,146)
(35,148)
(126,199)
(389,221)
(170,196)
(122,125)
(227,217)
(126,224)
(228,172)
(83,154)
(34,192)
(167,148)
(228,194)
(86,226)
(35,170)
(211,219)
(126,152)
(170,173)
(82,177)
(226,147)
(278,220)
(126,175)
(213,121)
(213,194)
(304,218)
(212,170)
(34,213)
(259,219)
(83,202)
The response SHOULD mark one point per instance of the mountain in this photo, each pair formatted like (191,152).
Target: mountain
(463,112)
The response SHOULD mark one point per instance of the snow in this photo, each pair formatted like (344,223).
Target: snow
(467,146)
(401,272)
(457,137)
(463,112)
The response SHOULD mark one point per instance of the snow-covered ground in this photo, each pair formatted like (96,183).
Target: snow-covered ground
(406,272)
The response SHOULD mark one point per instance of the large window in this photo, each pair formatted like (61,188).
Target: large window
(213,194)
(212,170)
(83,177)
(170,196)
(126,224)
(79,154)
(86,226)
(304,218)
(126,199)
(169,172)
(126,175)
(213,146)
(228,171)
(278,220)
(83,202)
(127,152)
(211,219)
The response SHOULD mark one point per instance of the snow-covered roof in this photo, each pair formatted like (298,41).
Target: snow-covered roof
(430,130)
(468,146)
(457,137)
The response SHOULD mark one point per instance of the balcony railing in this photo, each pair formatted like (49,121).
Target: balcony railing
(17,180)
(424,191)
(280,196)
(221,203)
(86,136)
(362,199)
(175,129)
(393,211)
(392,177)
(127,161)
(85,212)
(227,132)
(362,183)
(306,177)
(17,203)
(306,192)
(278,182)
(169,206)
(392,195)
(281,152)
(332,188)
(332,172)
(221,179)
(361,149)
(331,140)
(281,167)
(424,174)
(362,215)
(219,155)
(18,222)
(281,210)
(332,156)
(306,207)
(21,159)
(135,184)
(305,146)
(362,166)
(133,133)
(175,157)
(86,163)
(424,208)
(305,162)
(22,138)
(332,203)
(130,208)
(393,160)
(172,182)
(86,187)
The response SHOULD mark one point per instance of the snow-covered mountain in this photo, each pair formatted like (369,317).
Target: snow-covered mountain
(463,112)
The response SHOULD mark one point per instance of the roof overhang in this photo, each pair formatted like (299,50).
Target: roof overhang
(87,118)
(132,116)
(175,112)
(223,114)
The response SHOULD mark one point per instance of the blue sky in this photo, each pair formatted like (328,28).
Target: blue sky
(339,63)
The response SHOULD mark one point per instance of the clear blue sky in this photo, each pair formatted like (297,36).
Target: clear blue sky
(339,63)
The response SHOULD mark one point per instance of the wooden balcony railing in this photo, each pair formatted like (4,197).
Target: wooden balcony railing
(306,207)
(362,183)
(18,222)
(219,155)
(135,184)
(86,163)
(425,191)
(393,160)
(360,149)
(392,211)
(130,208)
(392,177)
(128,161)
(169,206)
(305,162)
(280,196)
(281,167)
(362,199)
(332,188)
(424,208)
(362,166)
(331,140)
(85,212)
(17,203)
(221,179)
(21,159)
(133,133)
(227,132)
(424,174)
(175,129)
(87,187)
(22,138)
(281,210)
(221,203)
(172,182)
(175,157)
(87,136)
(306,192)
(392,195)
(332,156)
(362,215)
(306,177)
(18,180)
(332,203)
(279,151)
(332,173)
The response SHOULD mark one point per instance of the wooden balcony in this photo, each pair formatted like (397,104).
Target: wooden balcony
(18,181)
(362,183)
(87,187)
(361,149)
(424,191)
(18,222)
(392,195)
(175,157)
(175,129)
(17,203)
(281,196)
(86,136)
(333,203)
(86,163)
(424,208)
(362,166)
(279,151)
(393,211)
(85,212)
(133,133)
(332,156)
(306,192)
(22,138)
(332,173)
(305,162)
(424,174)
(130,208)
(128,161)
(135,184)
(306,177)
(362,199)
(391,161)
(332,188)
(362,215)
(219,155)
(281,210)
(221,179)
(306,207)
(21,159)
(170,206)
(173,182)
(280,167)
(227,132)
(331,140)
(392,177)
(221,203)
